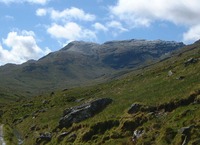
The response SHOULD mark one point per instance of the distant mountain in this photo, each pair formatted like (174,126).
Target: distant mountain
(82,63)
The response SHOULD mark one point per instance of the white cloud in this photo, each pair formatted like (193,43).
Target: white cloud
(9,18)
(71,31)
(23,47)
(116,25)
(100,27)
(42,2)
(143,12)
(71,13)
(179,11)
(192,34)
(41,12)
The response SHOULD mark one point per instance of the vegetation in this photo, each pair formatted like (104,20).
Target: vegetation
(169,113)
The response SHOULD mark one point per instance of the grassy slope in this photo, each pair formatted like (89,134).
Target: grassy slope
(150,86)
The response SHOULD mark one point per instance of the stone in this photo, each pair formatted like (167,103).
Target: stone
(63,135)
(186,130)
(190,61)
(180,77)
(134,108)
(45,102)
(170,73)
(79,100)
(79,113)
(33,127)
(44,137)
(137,134)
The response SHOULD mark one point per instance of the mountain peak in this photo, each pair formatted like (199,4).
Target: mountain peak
(81,47)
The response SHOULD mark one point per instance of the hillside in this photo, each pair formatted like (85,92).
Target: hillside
(81,64)
(154,105)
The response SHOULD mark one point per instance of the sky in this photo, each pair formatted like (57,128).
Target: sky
(30,29)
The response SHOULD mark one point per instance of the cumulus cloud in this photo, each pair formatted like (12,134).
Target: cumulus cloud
(179,11)
(143,12)
(72,13)
(70,31)
(192,34)
(100,27)
(22,46)
(116,25)
(42,2)
(41,12)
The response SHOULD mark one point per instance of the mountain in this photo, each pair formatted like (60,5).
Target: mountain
(82,63)
(158,104)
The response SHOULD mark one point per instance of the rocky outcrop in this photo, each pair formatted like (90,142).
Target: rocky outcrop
(167,107)
(134,108)
(43,138)
(78,113)
(190,61)
(132,53)
(137,134)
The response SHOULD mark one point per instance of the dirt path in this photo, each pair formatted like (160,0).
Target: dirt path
(2,142)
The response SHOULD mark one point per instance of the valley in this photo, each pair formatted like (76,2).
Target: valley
(152,99)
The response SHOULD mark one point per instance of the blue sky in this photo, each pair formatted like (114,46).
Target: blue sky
(31,29)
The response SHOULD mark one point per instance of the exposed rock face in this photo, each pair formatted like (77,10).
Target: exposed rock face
(82,112)
(131,53)
(167,107)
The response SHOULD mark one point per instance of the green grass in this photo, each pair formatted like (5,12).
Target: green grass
(9,136)
(149,86)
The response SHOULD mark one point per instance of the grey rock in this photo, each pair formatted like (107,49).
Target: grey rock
(33,127)
(186,130)
(134,108)
(79,100)
(79,113)
(137,134)
(190,61)
(63,134)
(45,102)
(180,77)
(170,73)
(44,137)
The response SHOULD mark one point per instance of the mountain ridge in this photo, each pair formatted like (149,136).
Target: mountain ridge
(82,63)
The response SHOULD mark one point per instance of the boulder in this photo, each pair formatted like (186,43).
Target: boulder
(170,73)
(180,77)
(44,137)
(134,108)
(190,61)
(79,113)
(186,130)
(137,134)
(63,135)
